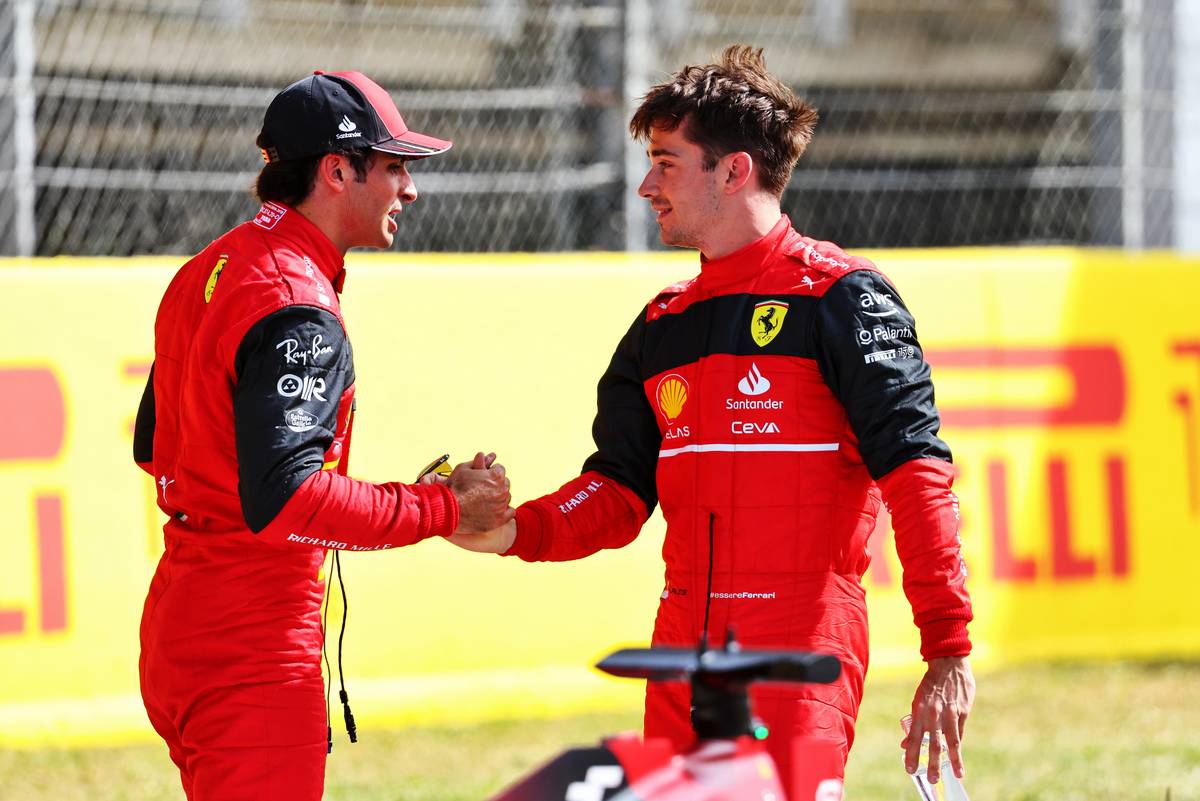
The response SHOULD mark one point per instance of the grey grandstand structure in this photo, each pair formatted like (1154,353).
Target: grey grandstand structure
(128,125)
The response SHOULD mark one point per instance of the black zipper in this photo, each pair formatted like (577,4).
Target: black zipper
(703,644)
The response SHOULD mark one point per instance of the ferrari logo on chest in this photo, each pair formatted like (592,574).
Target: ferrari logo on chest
(767,321)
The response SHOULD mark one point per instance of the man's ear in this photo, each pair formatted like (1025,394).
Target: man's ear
(332,170)
(739,168)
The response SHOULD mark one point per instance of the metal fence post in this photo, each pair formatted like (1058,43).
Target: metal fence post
(1133,192)
(18,235)
(1187,127)
(638,41)
(1158,123)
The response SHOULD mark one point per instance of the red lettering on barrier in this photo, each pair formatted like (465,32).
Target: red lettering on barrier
(136,369)
(1097,377)
(1064,562)
(52,566)
(1186,348)
(12,621)
(1118,516)
(34,413)
(1005,565)
(1183,400)
(33,406)
(52,571)
(1184,403)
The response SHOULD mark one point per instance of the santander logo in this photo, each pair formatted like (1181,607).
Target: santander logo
(754,382)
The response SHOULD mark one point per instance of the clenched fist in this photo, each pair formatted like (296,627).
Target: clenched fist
(482,491)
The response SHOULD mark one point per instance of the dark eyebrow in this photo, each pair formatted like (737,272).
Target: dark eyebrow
(661,151)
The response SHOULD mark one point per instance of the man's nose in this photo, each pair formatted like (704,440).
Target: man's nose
(408,189)
(647,187)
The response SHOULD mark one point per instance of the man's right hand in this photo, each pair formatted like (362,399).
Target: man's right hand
(482,491)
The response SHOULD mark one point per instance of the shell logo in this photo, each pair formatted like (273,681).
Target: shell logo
(672,396)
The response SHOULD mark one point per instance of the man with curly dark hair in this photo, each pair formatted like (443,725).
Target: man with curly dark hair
(770,404)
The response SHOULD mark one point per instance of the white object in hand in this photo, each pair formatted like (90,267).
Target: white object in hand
(948,788)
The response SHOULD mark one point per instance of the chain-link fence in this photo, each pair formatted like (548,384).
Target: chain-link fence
(127,126)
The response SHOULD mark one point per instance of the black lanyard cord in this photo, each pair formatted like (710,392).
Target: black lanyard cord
(351,728)
(328,671)
(703,645)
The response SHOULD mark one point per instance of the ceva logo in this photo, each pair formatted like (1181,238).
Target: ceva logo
(738,427)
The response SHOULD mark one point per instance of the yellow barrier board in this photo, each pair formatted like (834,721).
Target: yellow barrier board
(1069,385)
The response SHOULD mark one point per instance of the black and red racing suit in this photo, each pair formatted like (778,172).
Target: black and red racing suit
(765,404)
(245,427)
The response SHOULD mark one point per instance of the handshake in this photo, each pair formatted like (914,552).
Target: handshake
(486,520)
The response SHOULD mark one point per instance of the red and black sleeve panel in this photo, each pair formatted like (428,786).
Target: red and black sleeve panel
(292,369)
(625,430)
(865,343)
(143,428)
(869,356)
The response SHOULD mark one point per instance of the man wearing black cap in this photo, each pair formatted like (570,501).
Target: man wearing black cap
(245,426)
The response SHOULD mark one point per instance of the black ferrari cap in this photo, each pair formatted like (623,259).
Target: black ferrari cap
(333,110)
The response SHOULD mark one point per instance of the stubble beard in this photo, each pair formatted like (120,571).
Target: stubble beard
(693,235)
(677,238)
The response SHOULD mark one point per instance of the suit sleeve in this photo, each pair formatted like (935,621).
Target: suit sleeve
(292,369)
(869,355)
(607,505)
(143,428)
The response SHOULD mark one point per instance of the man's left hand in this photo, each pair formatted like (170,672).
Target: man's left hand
(941,705)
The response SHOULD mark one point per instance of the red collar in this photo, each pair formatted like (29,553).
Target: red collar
(286,222)
(747,261)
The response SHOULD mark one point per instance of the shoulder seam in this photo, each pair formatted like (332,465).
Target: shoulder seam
(279,272)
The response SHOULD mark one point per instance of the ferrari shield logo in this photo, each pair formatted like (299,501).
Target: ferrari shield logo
(211,286)
(767,321)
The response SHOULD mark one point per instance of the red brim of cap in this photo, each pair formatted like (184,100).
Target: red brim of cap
(414,145)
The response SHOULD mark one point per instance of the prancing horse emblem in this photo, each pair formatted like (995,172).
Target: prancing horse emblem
(767,321)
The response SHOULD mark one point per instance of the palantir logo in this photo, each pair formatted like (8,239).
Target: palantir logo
(346,125)
(307,388)
(754,382)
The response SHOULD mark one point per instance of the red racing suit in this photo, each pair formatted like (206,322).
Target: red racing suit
(765,404)
(245,427)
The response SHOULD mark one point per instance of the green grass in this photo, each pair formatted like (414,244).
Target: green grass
(1041,733)
(1054,733)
